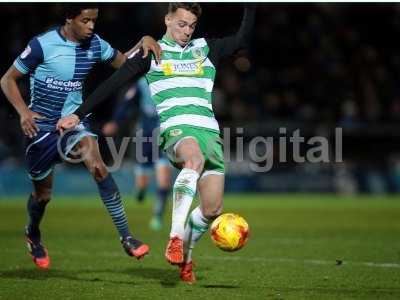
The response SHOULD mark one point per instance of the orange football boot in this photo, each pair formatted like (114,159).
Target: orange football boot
(174,251)
(187,274)
(135,248)
(38,253)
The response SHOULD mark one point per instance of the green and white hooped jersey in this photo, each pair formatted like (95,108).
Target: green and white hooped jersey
(181,85)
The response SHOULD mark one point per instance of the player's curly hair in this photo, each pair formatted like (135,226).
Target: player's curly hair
(72,10)
(193,7)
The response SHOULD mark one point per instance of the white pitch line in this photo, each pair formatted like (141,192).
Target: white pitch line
(303,261)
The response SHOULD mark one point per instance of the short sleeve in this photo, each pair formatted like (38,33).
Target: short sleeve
(108,53)
(30,58)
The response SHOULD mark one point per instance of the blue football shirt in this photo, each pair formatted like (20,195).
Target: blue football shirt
(58,68)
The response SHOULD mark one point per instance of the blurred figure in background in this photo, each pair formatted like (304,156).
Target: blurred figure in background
(149,158)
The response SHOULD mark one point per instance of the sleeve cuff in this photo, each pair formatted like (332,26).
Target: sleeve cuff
(21,67)
(112,57)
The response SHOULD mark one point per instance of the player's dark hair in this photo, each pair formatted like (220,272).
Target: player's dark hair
(72,10)
(193,7)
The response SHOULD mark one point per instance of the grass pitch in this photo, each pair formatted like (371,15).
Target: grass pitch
(301,247)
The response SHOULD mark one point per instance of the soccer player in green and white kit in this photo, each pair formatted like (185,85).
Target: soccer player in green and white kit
(181,87)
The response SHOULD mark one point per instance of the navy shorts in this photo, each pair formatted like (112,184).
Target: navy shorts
(48,148)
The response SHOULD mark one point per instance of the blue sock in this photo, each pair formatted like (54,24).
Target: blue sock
(35,213)
(161,202)
(109,193)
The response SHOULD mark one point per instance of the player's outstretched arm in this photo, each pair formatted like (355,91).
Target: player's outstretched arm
(229,45)
(10,88)
(134,67)
(147,43)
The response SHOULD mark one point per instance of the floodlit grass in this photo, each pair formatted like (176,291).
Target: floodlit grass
(301,247)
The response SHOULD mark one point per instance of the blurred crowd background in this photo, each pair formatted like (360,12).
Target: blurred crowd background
(312,67)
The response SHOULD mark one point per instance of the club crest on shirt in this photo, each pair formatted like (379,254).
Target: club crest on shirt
(198,53)
(26,52)
(89,54)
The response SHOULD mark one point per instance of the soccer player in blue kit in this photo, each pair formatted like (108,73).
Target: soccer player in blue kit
(58,62)
(148,156)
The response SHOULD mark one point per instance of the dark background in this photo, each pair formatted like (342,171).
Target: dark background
(312,67)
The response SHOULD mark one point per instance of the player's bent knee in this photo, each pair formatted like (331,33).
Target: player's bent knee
(43,195)
(98,171)
(195,163)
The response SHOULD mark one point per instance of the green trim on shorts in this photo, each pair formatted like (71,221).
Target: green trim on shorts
(209,141)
